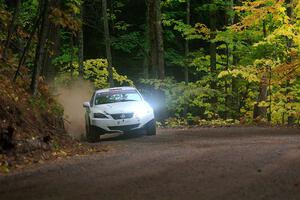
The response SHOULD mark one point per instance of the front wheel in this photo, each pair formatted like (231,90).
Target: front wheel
(151,128)
(91,133)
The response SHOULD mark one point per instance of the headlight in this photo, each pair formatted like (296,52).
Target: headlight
(99,115)
(142,112)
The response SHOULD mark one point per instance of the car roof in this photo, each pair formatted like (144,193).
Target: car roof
(115,89)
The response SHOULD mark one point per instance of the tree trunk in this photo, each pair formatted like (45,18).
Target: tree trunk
(41,47)
(270,94)
(53,36)
(155,39)
(28,43)
(160,42)
(226,86)
(146,62)
(107,43)
(264,29)
(187,50)
(229,21)
(146,67)
(291,119)
(263,86)
(152,39)
(235,60)
(213,51)
(263,89)
(11,29)
(263,96)
(71,64)
(80,44)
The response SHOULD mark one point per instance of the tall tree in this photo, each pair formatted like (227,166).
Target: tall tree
(11,27)
(289,12)
(235,60)
(146,63)
(212,46)
(53,37)
(80,42)
(107,42)
(187,49)
(41,47)
(156,39)
(263,94)
(260,111)
(28,43)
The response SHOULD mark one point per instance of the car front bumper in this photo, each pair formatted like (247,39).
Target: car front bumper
(121,125)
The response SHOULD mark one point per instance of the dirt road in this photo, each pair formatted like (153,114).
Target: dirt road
(206,163)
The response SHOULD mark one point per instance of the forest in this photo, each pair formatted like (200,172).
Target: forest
(198,62)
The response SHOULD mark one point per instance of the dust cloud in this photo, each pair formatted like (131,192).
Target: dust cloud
(72,99)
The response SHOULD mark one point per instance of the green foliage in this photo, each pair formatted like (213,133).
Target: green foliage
(128,42)
(180,97)
(218,122)
(43,103)
(66,57)
(67,15)
(245,73)
(94,70)
(257,44)
(4,167)
(28,12)
(200,31)
(191,121)
(175,123)
(73,6)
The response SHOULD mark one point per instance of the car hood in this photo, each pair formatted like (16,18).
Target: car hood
(122,107)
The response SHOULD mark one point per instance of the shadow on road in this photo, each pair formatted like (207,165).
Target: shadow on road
(122,136)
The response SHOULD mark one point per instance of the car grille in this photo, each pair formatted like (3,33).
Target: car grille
(122,115)
(123,128)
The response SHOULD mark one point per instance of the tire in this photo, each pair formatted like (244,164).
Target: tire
(151,128)
(91,134)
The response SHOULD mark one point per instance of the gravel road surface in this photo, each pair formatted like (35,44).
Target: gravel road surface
(205,163)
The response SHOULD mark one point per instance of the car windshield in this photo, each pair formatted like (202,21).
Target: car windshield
(117,96)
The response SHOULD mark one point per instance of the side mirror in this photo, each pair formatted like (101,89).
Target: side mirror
(86,104)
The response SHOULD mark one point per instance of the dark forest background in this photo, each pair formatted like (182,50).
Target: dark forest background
(197,62)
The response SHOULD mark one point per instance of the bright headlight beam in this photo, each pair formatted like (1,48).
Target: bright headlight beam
(141,111)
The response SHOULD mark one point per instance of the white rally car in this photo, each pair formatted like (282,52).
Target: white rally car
(120,109)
